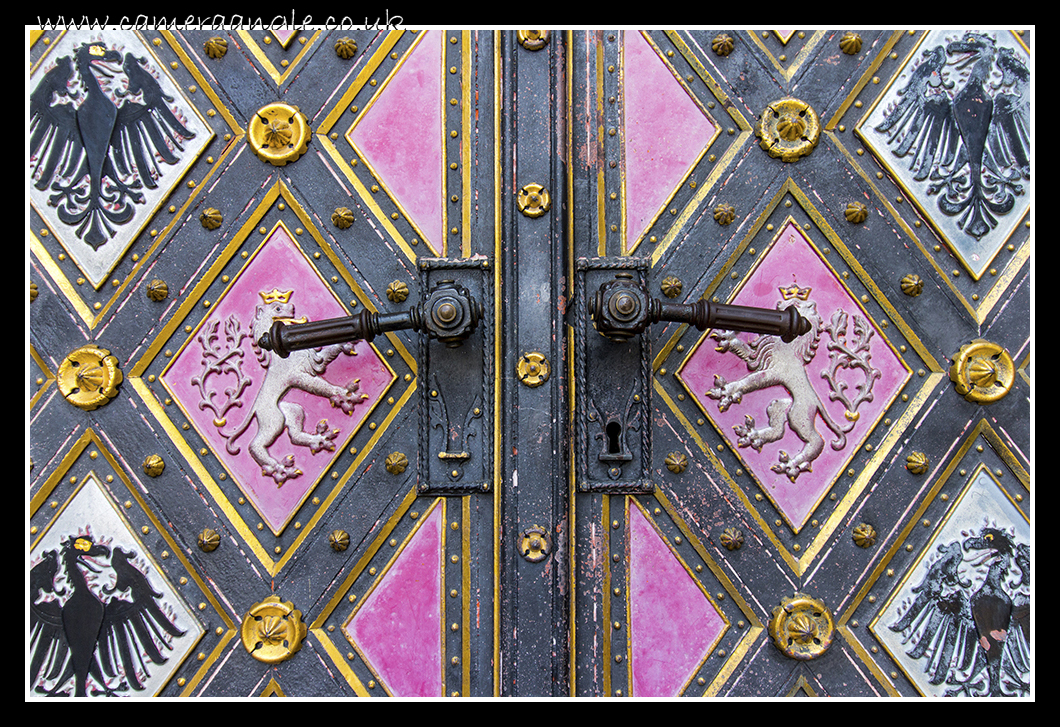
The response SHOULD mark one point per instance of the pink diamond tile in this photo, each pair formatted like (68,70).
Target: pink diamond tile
(254,408)
(400,135)
(398,626)
(665,132)
(790,392)
(672,624)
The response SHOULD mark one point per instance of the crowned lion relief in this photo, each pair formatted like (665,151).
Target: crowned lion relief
(303,370)
(771,362)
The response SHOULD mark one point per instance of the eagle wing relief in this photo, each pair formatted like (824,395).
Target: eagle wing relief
(55,144)
(968,618)
(47,646)
(95,146)
(136,628)
(937,624)
(967,138)
(89,637)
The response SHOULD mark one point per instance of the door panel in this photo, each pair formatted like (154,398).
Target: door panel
(797,496)
(539,510)
(295,500)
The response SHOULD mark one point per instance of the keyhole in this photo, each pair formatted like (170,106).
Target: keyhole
(614,432)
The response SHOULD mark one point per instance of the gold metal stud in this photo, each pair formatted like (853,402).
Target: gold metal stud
(917,463)
(208,540)
(396,463)
(864,535)
(788,129)
(850,43)
(88,377)
(279,133)
(345,48)
(802,627)
(342,218)
(533,200)
(722,45)
(211,218)
(982,371)
(153,465)
(397,292)
(671,286)
(272,631)
(676,462)
(339,540)
(912,285)
(535,544)
(215,47)
(856,212)
(157,290)
(532,39)
(533,369)
(731,539)
(724,214)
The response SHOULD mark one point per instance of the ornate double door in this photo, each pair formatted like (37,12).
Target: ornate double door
(530,456)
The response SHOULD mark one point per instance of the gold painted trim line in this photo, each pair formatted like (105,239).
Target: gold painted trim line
(631,500)
(863,81)
(342,592)
(278,77)
(788,72)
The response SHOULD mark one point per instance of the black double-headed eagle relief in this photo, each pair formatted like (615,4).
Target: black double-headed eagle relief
(96,623)
(963,123)
(101,129)
(969,630)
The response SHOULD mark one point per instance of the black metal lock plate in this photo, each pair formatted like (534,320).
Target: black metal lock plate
(456,441)
(613,397)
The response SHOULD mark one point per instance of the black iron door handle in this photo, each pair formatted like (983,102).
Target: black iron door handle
(623,307)
(449,313)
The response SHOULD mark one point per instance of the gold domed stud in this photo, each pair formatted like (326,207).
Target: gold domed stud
(982,371)
(88,377)
(788,129)
(279,134)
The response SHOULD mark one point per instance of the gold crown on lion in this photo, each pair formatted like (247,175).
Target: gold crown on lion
(794,291)
(275,296)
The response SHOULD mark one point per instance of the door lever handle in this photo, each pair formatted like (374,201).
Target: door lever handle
(623,307)
(448,313)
